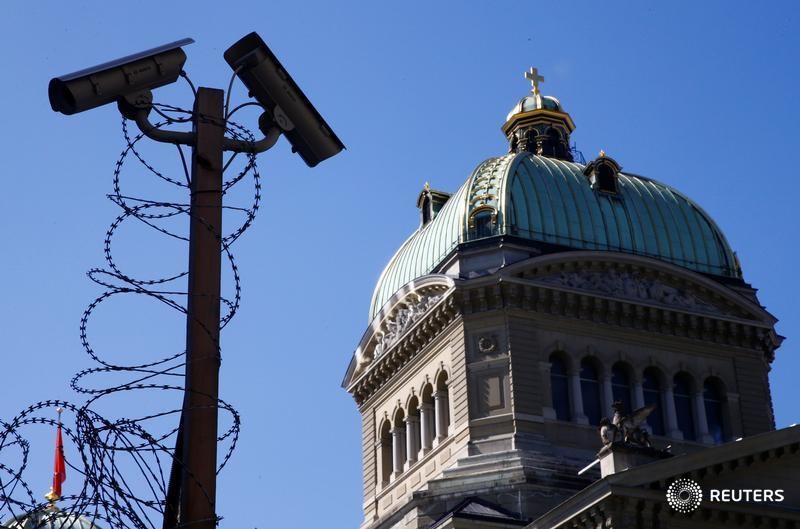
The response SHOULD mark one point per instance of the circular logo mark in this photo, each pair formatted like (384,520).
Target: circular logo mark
(684,495)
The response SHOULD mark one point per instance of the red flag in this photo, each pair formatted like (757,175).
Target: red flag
(60,468)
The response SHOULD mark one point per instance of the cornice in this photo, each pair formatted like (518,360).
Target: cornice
(632,294)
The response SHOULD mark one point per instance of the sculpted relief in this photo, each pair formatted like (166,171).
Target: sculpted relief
(630,285)
(410,311)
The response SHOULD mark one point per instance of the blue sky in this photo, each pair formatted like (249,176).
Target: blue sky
(699,95)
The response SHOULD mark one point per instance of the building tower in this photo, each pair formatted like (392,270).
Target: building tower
(527,303)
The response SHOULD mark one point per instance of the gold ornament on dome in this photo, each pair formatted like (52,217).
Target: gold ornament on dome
(533,76)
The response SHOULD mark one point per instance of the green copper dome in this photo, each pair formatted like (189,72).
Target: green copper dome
(552,201)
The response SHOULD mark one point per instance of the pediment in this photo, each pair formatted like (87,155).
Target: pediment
(402,312)
(637,280)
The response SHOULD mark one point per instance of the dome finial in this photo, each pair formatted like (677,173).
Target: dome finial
(533,75)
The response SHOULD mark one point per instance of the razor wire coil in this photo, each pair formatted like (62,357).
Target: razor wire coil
(124,465)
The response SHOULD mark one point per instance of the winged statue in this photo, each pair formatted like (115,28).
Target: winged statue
(626,428)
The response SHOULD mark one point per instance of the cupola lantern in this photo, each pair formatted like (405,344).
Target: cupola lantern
(538,124)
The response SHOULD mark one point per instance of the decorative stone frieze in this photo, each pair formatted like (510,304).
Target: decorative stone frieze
(631,285)
(404,314)
(401,320)
(404,333)
(630,296)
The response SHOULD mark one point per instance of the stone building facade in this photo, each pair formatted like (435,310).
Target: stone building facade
(524,306)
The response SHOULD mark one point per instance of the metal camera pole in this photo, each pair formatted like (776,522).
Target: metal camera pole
(191,491)
(199,419)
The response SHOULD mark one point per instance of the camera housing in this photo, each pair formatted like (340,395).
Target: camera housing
(113,80)
(272,86)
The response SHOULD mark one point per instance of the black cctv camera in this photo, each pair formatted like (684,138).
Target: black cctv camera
(111,81)
(272,86)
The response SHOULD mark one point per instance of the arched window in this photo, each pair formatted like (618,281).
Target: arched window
(413,434)
(386,452)
(590,391)
(427,210)
(559,388)
(714,400)
(606,178)
(682,391)
(621,385)
(651,387)
(551,143)
(530,141)
(427,425)
(482,223)
(399,442)
(441,403)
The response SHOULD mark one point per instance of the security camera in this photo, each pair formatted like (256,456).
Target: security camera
(272,86)
(111,81)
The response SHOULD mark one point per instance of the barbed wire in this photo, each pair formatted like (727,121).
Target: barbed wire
(124,462)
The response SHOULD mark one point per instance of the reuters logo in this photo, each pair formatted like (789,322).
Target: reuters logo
(684,495)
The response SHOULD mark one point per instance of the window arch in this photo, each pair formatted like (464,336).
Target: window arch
(682,393)
(551,142)
(386,451)
(559,387)
(482,222)
(441,404)
(399,442)
(427,210)
(651,389)
(427,420)
(590,391)
(530,140)
(715,404)
(606,178)
(621,385)
(413,433)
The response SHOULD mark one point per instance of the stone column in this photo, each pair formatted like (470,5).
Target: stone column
(426,424)
(576,398)
(671,416)
(638,394)
(704,436)
(732,412)
(608,398)
(548,411)
(412,433)
(398,449)
(441,404)
(638,401)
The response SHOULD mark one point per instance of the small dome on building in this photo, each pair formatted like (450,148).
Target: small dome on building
(49,517)
(535,102)
(538,124)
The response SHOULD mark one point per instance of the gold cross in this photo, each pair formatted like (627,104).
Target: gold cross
(535,79)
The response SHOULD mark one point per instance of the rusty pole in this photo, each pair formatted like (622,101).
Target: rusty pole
(199,435)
